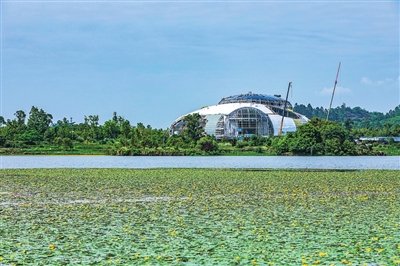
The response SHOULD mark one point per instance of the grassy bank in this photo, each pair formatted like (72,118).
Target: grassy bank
(199,216)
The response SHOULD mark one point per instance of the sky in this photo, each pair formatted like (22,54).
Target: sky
(153,61)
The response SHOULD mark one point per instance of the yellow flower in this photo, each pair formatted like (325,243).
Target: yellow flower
(322,254)
(368,249)
(1,258)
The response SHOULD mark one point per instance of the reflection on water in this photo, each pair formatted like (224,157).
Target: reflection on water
(274,162)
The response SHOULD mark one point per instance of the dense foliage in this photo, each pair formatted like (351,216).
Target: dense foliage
(199,217)
(317,137)
(366,123)
(38,134)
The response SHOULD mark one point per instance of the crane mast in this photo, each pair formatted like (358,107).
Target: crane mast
(284,109)
(330,106)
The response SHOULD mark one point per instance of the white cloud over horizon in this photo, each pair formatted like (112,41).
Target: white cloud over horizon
(385,81)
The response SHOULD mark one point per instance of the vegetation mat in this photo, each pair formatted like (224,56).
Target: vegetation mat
(199,217)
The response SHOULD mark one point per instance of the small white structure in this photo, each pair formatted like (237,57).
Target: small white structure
(245,115)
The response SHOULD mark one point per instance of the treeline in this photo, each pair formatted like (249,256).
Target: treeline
(37,133)
(38,128)
(117,135)
(369,123)
(320,137)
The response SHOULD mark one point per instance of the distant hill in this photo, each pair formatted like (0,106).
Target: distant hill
(360,118)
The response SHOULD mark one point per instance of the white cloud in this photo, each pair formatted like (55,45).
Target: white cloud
(338,90)
(370,82)
(366,80)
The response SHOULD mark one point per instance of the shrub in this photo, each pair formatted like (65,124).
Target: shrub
(207,144)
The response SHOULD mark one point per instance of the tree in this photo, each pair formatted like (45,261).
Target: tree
(64,128)
(2,140)
(125,128)
(207,144)
(193,129)
(15,127)
(94,129)
(348,124)
(176,141)
(31,137)
(64,143)
(110,129)
(317,137)
(21,116)
(39,120)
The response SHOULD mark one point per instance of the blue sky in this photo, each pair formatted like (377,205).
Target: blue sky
(152,61)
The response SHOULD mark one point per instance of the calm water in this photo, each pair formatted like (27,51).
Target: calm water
(275,162)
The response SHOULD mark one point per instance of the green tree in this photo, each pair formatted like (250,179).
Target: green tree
(207,144)
(193,129)
(111,129)
(94,128)
(31,137)
(317,137)
(15,127)
(39,120)
(64,128)
(63,143)
(177,141)
(125,128)
(2,140)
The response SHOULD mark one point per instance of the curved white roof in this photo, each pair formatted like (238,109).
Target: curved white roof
(214,112)
(226,109)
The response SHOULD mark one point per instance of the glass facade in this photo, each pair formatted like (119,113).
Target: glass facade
(245,115)
(247,121)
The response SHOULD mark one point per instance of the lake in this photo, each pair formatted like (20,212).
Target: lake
(268,162)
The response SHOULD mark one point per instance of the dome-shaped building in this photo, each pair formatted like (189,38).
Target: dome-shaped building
(245,115)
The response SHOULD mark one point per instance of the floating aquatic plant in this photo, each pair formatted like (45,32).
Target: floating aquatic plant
(199,216)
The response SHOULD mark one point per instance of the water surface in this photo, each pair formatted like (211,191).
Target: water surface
(273,162)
